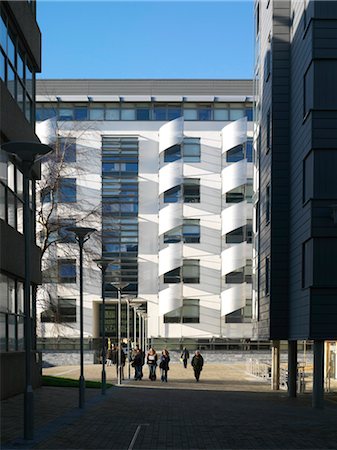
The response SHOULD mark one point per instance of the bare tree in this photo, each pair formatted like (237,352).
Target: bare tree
(58,208)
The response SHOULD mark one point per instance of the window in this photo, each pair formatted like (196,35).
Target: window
(67,190)
(236,236)
(191,149)
(189,313)
(191,190)
(67,149)
(143,113)
(191,271)
(236,195)
(173,276)
(221,111)
(81,113)
(235,154)
(64,311)
(235,277)
(268,200)
(249,150)
(65,236)
(190,232)
(172,195)
(172,154)
(242,315)
(267,276)
(96,113)
(67,271)
(269,131)
(66,114)
(159,112)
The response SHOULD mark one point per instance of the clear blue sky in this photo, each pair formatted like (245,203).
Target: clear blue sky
(146,39)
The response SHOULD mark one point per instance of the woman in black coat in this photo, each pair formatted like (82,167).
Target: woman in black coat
(164,365)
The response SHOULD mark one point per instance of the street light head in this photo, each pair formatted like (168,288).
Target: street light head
(119,284)
(81,232)
(26,151)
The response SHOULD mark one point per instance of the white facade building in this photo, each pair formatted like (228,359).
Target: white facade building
(167,182)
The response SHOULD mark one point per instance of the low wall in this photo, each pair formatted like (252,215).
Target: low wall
(66,358)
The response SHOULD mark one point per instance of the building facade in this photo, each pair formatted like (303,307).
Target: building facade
(163,170)
(296,235)
(19,61)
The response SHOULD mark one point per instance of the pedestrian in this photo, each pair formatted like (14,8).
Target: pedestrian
(151,361)
(185,356)
(197,364)
(164,365)
(120,364)
(137,363)
(109,357)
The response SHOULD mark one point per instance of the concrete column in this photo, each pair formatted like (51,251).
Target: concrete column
(318,386)
(275,365)
(292,368)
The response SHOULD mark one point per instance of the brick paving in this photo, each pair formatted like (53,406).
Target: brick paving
(228,409)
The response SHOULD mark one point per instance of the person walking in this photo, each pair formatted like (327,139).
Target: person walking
(164,365)
(197,364)
(151,361)
(137,363)
(185,356)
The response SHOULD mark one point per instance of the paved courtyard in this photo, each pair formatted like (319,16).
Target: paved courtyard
(228,409)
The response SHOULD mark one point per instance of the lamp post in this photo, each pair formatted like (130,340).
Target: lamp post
(103,265)
(119,285)
(26,153)
(82,235)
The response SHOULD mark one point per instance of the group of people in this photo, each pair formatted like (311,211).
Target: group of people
(152,360)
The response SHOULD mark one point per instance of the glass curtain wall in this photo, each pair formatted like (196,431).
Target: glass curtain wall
(120,212)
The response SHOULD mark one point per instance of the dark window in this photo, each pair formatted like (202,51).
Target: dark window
(172,195)
(65,236)
(204,113)
(173,236)
(189,313)
(269,130)
(191,190)
(67,149)
(268,200)
(46,195)
(173,112)
(236,195)
(236,277)
(172,154)
(63,312)
(143,114)
(81,113)
(67,190)
(235,154)
(173,276)
(191,271)
(249,150)
(249,114)
(159,112)
(267,276)
(236,236)
(67,271)
(191,231)
(191,150)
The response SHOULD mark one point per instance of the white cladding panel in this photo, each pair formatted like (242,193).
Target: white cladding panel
(171,133)
(234,134)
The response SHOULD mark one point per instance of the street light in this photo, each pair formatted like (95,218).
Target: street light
(82,235)
(26,153)
(119,285)
(103,265)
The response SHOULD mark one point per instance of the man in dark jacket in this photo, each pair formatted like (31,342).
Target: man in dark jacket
(197,364)
(185,356)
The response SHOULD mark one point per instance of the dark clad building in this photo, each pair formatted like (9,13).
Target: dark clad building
(20,59)
(296,165)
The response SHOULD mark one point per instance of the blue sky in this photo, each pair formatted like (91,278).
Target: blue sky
(151,39)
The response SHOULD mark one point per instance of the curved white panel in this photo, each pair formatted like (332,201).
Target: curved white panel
(234,134)
(233,298)
(234,175)
(171,216)
(170,175)
(47,130)
(171,133)
(170,257)
(233,217)
(170,298)
(233,258)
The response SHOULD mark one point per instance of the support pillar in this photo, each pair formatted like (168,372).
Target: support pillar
(318,386)
(292,368)
(275,365)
